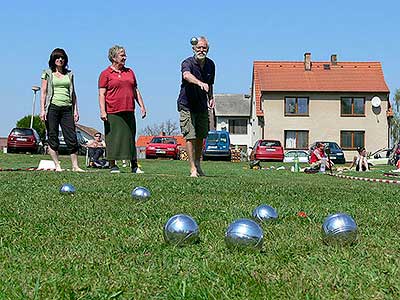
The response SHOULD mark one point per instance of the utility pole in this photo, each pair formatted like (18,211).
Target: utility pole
(35,89)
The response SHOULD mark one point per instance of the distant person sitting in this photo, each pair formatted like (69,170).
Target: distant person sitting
(96,151)
(360,161)
(318,157)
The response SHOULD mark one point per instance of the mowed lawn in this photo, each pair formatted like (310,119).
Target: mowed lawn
(101,244)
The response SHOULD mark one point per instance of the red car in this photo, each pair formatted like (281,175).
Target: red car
(267,150)
(162,146)
(24,140)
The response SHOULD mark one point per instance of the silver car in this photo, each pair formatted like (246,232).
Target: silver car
(301,154)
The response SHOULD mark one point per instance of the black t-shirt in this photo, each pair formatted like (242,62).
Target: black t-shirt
(192,97)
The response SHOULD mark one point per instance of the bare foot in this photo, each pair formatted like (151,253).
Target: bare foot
(194,174)
(77,169)
(200,172)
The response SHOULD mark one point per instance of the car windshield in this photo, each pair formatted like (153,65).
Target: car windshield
(333,146)
(270,143)
(169,141)
(22,131)
(215,137)
(302,154)
(160,140)
(299,154)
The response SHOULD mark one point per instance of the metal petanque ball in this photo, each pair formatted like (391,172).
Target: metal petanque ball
(194,41)
(339,228)
(181,230)
(244,234)
(140,193)
(265,213)
(67,188)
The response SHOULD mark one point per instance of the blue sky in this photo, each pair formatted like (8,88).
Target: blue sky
(156,36)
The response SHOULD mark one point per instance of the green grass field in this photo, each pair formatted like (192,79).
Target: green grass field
(100,244)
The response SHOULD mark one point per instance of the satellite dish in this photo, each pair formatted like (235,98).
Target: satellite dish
(376,101)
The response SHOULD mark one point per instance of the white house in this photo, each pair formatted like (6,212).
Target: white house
(232,112)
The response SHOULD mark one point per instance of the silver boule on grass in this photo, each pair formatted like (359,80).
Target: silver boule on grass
(67,188)
(339,228)
(140,193)
(265,213)
(194,41)
(244,234)
(181,230)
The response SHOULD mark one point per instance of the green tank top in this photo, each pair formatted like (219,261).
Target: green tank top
(61,95)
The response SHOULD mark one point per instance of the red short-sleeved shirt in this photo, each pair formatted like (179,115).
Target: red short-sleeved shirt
(119,89)
(314,158)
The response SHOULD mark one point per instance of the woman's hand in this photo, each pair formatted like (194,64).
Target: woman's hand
(143,112)
(43,116)
(103,115)
(76,117)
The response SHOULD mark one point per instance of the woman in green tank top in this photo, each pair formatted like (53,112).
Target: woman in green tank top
(58,107)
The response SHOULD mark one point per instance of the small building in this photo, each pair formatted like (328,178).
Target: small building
(299,102)
(232,112)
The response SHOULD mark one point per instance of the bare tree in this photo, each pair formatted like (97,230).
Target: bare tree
(168,127)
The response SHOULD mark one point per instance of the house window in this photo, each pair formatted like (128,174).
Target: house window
(350,140)
(352,107)
(238,126)
(296,106)
(296,139)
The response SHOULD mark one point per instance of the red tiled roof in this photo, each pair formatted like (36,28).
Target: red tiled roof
(276,76)
(143,140)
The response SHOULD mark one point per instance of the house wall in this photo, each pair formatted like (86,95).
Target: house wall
(236,139)
(324,121)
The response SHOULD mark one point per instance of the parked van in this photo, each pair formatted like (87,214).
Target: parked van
(217,145)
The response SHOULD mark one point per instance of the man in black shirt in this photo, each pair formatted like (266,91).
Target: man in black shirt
(195,98)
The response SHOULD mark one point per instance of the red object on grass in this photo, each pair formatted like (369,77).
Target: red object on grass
(302,214)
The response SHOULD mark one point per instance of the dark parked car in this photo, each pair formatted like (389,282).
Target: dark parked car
(336,153)
(62,148)
(162,146)
(24,140)
(267,150)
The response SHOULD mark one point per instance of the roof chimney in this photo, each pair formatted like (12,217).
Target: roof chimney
(307,61)
(333,59)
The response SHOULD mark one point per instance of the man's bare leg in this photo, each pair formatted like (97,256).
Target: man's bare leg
(197,156)
(190,147)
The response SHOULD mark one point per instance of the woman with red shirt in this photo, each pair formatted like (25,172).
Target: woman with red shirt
(317,155)
(118,92)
